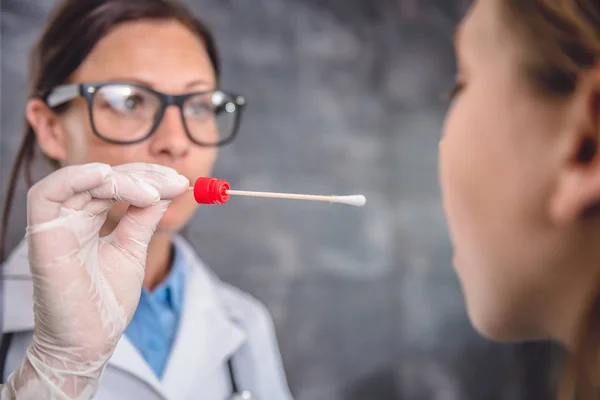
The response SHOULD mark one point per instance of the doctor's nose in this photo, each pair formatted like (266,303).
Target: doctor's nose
(170,138)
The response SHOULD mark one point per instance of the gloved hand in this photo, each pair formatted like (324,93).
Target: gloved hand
(86,288)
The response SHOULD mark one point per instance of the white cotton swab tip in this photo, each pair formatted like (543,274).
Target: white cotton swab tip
(357,200)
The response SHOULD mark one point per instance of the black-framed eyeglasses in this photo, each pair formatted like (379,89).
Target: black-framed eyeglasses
(127,113)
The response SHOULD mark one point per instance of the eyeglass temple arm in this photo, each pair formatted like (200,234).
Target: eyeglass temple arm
(62,94)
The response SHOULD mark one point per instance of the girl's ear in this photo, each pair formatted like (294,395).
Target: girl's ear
(578,188)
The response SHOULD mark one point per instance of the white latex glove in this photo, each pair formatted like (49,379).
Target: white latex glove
(86,288)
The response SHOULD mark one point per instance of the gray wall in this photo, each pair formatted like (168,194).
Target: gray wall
(343,98)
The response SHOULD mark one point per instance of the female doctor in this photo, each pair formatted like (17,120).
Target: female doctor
(125,102)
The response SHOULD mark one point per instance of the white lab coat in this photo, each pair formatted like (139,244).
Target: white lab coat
(217,321)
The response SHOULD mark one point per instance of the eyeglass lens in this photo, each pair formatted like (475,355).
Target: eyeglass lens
(127,113)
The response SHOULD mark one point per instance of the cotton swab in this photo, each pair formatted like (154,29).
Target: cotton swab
(217,191)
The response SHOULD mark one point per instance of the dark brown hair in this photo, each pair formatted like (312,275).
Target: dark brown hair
(562,40)
(70,34)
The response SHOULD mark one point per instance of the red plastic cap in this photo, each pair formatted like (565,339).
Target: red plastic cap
(211,191)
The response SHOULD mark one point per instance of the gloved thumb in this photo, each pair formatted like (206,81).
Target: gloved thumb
(131,236)
(136,227)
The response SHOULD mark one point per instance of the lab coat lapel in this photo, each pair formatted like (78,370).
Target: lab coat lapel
(127,358)
(206,336)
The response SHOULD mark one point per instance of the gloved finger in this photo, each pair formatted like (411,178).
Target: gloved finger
(78,201)
(135,229)
(128,188)
(45,198)
(98,206)
(145,167)
(142,188)
(158,176)
(120,183)
(84,201)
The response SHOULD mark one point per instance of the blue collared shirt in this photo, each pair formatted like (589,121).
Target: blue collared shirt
(154,325)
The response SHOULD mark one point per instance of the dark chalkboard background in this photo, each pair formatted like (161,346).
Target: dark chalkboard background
(344,97)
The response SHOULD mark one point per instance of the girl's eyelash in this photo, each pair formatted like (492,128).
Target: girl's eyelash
(451,94)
